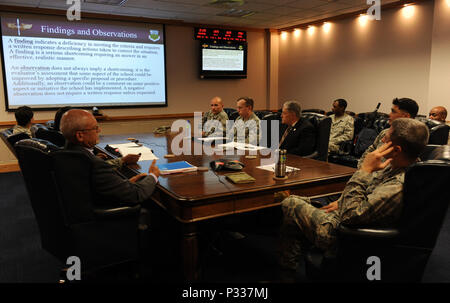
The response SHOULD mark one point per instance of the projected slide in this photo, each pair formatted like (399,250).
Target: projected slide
(53,63)
(223,58)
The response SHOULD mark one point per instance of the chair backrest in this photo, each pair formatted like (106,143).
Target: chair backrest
(10,139)
(51,135)
(233,115)
(35,164)
(50,124)
(262,113)
(426,198)
(72,172)
(438,131)
(313,110)
(229,111)
(322,124)
(270,118)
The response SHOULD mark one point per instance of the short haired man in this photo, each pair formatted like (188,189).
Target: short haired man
(246,126)
(216,113)
(342,126)
(24,118)
(438,113)
(81,131)
(401,108)
(298,136)
(373,196)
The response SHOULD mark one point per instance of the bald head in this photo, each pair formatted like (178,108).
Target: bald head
(216,105)
(438,113)
(80,127)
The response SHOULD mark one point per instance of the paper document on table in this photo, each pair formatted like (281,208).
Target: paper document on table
(271,167)
(133,148)
(208,139)
(241,146)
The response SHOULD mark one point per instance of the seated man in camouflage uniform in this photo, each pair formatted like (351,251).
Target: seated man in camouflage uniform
(372,197)
(216,113)
(246,126)
(401,108)
(341,126)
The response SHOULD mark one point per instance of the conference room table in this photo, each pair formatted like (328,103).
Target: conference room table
(195,197)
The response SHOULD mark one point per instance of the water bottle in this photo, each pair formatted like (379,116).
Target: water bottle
(280,166)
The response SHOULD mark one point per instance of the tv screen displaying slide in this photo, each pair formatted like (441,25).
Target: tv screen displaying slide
(223,60)
(49,62)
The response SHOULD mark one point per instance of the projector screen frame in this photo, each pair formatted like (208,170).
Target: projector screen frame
(222,74)
(85,20)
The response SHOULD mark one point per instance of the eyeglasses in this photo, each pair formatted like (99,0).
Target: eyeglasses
(96,128)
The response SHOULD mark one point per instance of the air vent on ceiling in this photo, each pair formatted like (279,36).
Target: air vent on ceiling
(107,2)
(226,3)
(237,13)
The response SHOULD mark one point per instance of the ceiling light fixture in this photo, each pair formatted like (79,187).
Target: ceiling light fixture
(326,27)
(363,18)
(408,10)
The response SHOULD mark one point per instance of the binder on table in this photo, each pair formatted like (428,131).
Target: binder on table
(176,167)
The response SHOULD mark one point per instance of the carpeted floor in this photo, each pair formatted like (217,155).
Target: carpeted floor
(22,259)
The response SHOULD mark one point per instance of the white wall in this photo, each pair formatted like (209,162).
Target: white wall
(363,64)
(439,92)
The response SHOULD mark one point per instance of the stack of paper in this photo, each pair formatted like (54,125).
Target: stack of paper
(133,148)
(271,167)
(176,167)
(241,146)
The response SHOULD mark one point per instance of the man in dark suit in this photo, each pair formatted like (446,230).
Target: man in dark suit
(298,136)
(81,131)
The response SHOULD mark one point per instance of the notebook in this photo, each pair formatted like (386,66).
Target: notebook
(240,178)
(176,167)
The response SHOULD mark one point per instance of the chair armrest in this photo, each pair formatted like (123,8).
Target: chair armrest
(314,155)
(117,212)
(381,233)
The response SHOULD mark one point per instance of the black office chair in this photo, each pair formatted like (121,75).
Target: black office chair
(314,110)
(10,139)
(56,137)
(267,134)
(233,115)
(229,111)
(438,131)
(322,124)
(262,113)
(351,151)
(59,187)
(403,249)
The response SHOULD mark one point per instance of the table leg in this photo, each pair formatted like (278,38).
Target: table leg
(189,250)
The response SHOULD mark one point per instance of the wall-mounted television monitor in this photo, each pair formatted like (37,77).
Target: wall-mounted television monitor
(49,62)
(225,60)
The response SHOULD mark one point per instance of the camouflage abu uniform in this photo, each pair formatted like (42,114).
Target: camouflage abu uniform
(17,129)
(376,143)
(342,129)
(251,134)
(368,199)
(222,117)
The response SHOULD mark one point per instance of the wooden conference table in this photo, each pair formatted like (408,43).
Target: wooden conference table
(194,197)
